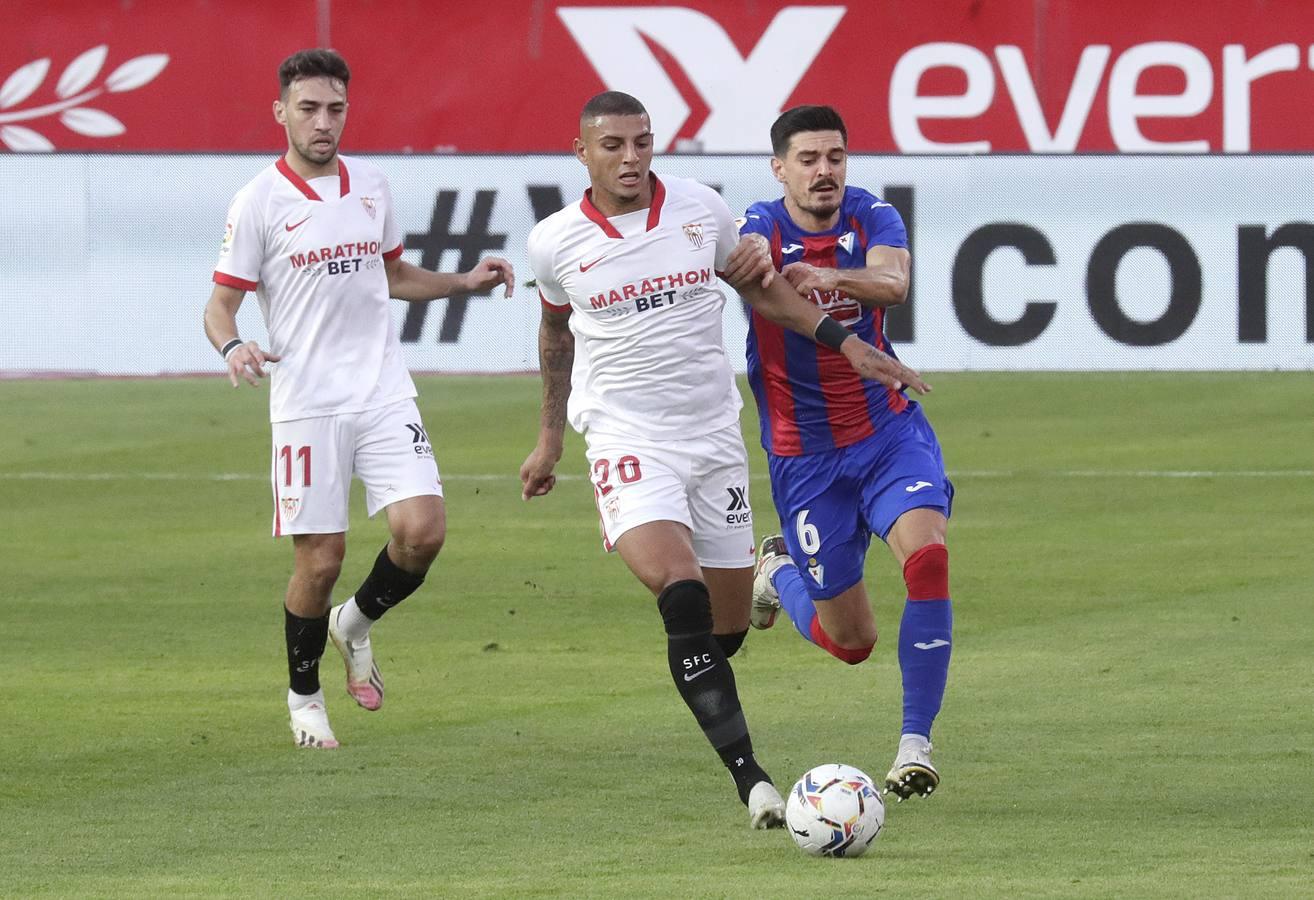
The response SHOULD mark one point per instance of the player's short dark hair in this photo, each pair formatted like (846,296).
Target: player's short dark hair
(612,103)
(315,63)
(804,118)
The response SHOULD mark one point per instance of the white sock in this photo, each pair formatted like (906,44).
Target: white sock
(353,624)
(301,701)
(918,740)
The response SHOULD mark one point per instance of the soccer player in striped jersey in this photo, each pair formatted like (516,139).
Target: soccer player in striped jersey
(313,235)
(629,276)
(848,457)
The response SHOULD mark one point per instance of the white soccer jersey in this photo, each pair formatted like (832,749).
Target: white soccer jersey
(649,355)
(313,252)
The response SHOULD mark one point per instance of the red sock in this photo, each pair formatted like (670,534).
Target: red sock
(824,641)
(926,573)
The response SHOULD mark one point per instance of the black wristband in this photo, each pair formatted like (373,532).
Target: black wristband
(830,333)
(230,347)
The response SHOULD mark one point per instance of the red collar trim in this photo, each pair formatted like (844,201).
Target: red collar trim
(344,179)
(654,211)
(658,198)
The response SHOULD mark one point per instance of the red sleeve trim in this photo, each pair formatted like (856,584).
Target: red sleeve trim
(394,252)
(550,305)
(233,281)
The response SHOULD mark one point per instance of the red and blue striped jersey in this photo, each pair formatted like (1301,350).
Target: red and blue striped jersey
(809,399)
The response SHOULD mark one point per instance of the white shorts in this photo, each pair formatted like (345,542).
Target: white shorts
(387,448)
(702,483)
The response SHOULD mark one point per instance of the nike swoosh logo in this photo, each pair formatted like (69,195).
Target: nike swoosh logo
(914,488)
(692,675)
(294,226)
(931,645)
(584,268)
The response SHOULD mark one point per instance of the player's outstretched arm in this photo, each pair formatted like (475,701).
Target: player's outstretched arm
(411,283)
(883,281)
(556,358)
(870,362)
(245,359)
(783,305)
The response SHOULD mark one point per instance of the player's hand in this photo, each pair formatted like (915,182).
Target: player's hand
(877,365)
(247,362)
(750,261)
(536,477)
(491,271)
(808,278)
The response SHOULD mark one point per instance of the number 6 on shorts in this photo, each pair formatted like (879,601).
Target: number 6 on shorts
(809,539)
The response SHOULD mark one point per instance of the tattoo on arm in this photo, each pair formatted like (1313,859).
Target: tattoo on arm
(556,358)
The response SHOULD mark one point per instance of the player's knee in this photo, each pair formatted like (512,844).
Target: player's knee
(865,637)
(320,569)
(686,608)
(857,645)
(421,551)
(851,645)
(926,573)
(854,655)
(418,546)
(318,558)
(730,643)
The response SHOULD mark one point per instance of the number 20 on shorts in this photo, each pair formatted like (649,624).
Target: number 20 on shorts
(628,471)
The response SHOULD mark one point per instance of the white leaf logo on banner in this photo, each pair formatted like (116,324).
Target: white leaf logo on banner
(79,74)
(136,72)
(92,123)
(81,71)
(21,140)
(19,86)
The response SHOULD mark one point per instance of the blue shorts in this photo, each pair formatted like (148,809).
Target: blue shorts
(831,503)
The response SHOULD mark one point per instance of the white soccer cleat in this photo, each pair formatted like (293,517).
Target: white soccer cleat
(310,725)
(771,555)
(765,807)
(364,681)
(912,772)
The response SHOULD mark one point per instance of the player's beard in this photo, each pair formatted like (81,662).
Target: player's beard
(818,207)
(315,155)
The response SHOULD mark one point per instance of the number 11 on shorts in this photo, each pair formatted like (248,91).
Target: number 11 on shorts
(285,454)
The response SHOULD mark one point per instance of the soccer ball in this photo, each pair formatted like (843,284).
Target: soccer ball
(834,810)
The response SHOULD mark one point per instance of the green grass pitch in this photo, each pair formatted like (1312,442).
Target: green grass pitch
(1129,712)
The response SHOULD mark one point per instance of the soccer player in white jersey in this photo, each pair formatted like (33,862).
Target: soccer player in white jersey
(631,351)
(314,236)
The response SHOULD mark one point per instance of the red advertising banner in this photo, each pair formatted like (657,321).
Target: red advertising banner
(955,76)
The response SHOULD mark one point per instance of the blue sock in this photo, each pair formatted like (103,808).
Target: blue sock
(924,645)
(795,599)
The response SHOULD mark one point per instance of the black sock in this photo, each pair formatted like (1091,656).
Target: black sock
(305,645)
(731,642)
(387,585)
(705,680)
(738,758)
